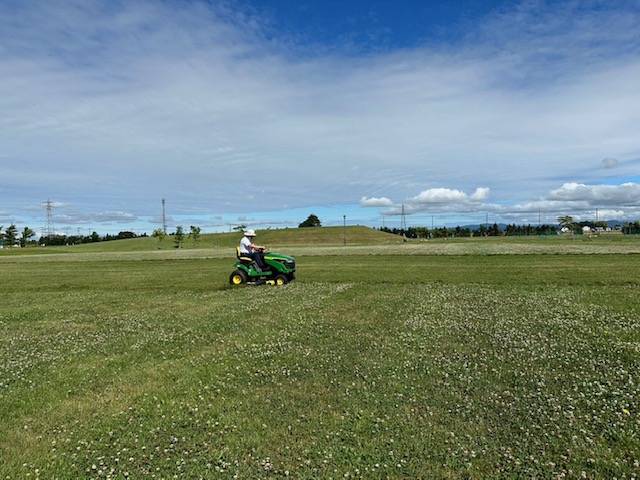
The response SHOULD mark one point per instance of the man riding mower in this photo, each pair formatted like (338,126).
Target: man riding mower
(255,266)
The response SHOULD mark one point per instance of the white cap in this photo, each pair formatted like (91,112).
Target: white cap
(249,233)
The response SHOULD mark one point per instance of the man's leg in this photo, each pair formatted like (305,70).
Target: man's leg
(257,257)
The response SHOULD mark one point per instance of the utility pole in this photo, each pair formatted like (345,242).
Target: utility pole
(383,220)
(431,222)
(539,217)
(49,229)
(486,220)
(596,215)
(164,218)
(344,229)
(403,220)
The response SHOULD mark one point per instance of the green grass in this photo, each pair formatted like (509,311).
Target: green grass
(288,236)
(329,240)
(373,366)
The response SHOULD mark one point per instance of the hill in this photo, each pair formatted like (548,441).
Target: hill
(325,236)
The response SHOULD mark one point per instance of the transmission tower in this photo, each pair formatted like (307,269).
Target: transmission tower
(403,219)
(164,218)
(49,229)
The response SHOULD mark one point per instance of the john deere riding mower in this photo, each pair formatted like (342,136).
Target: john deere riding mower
(281,270)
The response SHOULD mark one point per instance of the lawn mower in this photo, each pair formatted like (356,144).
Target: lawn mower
(281,270)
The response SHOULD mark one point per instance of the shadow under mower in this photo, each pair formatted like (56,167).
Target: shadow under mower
(282,269)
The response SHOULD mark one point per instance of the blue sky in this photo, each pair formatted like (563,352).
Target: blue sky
(260,112)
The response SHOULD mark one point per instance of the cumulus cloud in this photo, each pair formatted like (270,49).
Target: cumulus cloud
(376,202)
(481,194)
(623,194)
(620,202)
(439,195)
(439,199)
(450,197)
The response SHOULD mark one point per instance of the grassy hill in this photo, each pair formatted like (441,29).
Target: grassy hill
(325,236)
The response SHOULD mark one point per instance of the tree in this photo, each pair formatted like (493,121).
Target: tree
(240,228)
(311,221)
(194,233)
(95,237)
(27,234)
(159,234)
(566,221)
(10,235)
(1,235)
(178,237)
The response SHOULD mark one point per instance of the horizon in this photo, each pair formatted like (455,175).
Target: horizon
(262,112)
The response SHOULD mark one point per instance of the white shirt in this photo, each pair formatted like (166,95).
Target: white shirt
(245,245)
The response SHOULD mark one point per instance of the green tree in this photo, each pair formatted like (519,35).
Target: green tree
(178,237)
(566,221)
(311,221)
(10,235)
(240,228)
(95,237)
(1,235)
(26,235)
(194,233)
(159,234)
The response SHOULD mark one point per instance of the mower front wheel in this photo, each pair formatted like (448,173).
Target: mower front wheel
(281,280)
(238,277)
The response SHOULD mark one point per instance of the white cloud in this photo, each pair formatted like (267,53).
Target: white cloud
(100,100)
(376,202)
(579,200)
(624,194)
(439,195)
(77,218)
(481,194)
(438,199)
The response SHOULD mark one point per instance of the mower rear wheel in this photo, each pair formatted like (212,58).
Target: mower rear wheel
(238,277)
(280,280)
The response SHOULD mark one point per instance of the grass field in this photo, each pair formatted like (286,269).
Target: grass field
(461,364)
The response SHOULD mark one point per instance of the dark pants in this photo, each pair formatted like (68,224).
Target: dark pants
(257,257)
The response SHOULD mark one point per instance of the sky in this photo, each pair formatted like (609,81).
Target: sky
(259,112)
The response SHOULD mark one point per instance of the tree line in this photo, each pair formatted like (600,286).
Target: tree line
(57,240)
(496,230)
(493,230)
(11,237)
(631,228)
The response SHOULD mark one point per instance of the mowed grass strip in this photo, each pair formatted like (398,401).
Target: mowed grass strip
(514,366)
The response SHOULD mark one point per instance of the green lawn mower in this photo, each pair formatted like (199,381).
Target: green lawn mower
(282,269)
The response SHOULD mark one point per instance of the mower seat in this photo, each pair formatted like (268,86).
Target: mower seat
(245,260)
